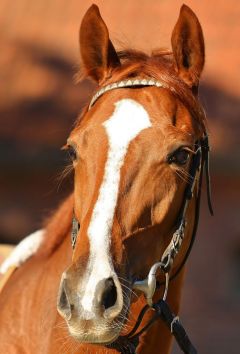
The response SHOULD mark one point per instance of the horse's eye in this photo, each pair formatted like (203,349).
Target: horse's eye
(72,153)
(179,157)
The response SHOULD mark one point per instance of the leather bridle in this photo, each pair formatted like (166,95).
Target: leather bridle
(148,286)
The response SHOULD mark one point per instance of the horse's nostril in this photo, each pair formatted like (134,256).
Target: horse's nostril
(64,306)
(63,300)
(109,296)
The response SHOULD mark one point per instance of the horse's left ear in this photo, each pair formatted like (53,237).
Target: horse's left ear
(97,52)
(188,47)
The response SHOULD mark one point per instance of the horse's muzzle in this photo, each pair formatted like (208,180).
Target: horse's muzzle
(107,308)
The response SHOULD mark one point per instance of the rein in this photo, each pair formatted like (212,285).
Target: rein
(200,162)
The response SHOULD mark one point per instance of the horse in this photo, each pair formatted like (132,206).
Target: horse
(106,276)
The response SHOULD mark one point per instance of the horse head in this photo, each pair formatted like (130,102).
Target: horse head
(132,151)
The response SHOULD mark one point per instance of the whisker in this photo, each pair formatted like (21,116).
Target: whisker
(63,174)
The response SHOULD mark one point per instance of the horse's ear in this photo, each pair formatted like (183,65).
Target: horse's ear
(188,47)
(97,52)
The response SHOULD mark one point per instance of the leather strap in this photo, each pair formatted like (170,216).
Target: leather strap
(175,327)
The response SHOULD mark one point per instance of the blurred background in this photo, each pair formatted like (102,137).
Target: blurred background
(39,103)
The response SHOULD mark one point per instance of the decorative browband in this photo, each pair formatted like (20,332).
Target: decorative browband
(125,83)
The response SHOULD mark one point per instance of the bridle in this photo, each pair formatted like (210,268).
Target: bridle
(148,286)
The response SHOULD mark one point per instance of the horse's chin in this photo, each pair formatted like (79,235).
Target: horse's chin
(97,336)
(99,331)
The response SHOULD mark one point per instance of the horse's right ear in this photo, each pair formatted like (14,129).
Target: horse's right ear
(97,52)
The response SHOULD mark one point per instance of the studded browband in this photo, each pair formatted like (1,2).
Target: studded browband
(125,83)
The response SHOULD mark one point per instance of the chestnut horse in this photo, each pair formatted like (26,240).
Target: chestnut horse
(138,153)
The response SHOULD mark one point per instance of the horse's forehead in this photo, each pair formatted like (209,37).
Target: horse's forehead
(126,121)
(160,104)
(153,100)
(123,110)
(119,121)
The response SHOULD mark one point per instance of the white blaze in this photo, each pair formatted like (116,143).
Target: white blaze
(128,120)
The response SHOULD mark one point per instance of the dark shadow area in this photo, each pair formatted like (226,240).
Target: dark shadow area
(35,123)
(223,113)
(220,106)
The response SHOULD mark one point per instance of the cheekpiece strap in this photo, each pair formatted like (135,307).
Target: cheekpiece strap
(178,236)
(206,159)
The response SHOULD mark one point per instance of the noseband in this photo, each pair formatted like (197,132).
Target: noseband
(200,161)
